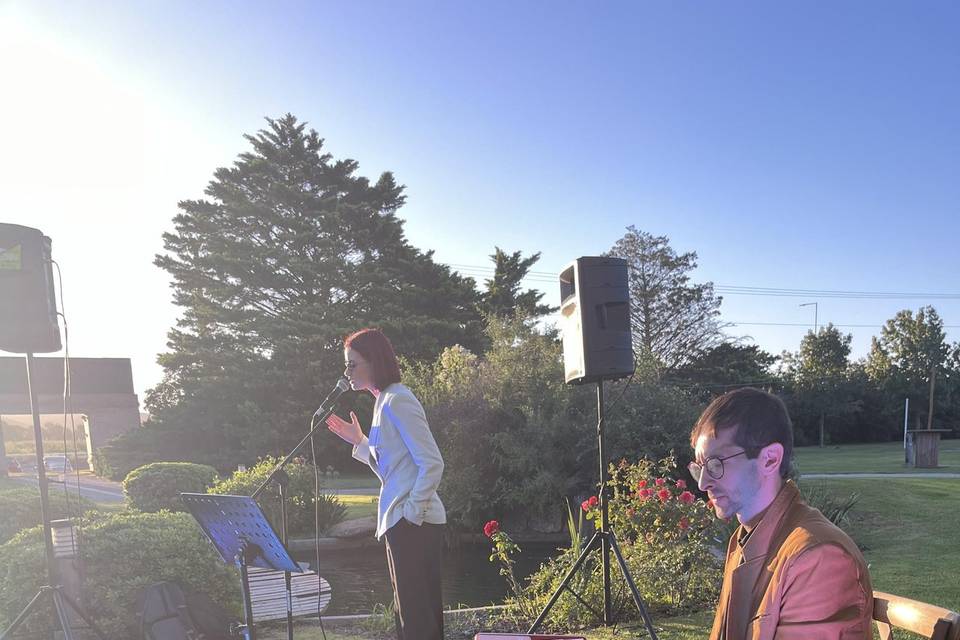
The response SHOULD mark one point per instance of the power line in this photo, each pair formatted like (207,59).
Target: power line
(829,293)
(548,277)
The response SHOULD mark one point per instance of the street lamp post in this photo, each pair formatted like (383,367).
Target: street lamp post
(816,309)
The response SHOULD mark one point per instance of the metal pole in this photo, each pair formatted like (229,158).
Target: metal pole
(52,575)
(604,521)
(288,586)
(906,414)
(816,311)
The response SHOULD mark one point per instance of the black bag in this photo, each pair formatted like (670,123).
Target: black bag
(166,612)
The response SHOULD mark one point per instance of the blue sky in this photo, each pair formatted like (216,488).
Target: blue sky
(791,145)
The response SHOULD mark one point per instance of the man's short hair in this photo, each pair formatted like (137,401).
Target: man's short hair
(761,419)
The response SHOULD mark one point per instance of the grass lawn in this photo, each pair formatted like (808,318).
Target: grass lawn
(359,506)
(352,481)
(885,457)
(692,627)
(908,529)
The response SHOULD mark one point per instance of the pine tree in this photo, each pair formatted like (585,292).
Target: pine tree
(289,252)
(503,298)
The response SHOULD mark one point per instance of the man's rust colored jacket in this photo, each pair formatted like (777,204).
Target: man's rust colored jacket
(801,578)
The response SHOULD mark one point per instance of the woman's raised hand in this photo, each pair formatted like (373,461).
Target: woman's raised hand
(349,431)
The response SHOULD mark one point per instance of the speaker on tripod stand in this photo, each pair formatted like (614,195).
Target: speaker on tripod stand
(28,325)
(597,346)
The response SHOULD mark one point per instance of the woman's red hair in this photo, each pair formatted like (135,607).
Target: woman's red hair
(376,349)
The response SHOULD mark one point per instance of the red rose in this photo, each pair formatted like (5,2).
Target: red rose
(681,484)
(660,481)
(663,494)
(642,484)
(594,501)
(491,528)
(686,497)
(585,505)
(684,523)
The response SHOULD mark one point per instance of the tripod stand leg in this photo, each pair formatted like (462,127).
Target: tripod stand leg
(23,614)
(62,614)
(566,580)
(637,600)
(83,616)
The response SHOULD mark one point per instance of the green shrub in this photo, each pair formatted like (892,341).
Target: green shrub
(20,506)
(516,440)
(157,486)
(121,553)
(300,491)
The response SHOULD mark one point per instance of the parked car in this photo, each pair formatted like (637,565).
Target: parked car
(57,463)
(13,466)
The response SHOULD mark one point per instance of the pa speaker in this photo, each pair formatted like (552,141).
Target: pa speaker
(595,320)
(28,313)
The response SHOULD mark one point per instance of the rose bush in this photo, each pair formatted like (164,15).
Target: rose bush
(670,537)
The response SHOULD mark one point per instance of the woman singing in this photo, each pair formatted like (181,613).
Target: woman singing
(402,452)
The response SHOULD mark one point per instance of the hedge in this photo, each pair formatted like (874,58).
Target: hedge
(157,486)
(121,554)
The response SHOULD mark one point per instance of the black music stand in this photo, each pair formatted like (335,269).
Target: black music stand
(242,536)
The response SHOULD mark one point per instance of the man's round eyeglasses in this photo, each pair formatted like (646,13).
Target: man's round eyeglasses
(713,466)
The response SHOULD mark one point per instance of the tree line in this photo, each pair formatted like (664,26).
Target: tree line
(291,249)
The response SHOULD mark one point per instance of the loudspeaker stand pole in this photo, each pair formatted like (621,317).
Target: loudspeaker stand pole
(59,599)
(604,540)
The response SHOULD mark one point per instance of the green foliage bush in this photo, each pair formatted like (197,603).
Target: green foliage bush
(511,433)
(20,506)
(158,485)
(159,442)
(300,492)
(132,449)
(121,554)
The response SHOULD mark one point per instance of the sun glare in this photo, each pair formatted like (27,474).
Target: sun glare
(67,120)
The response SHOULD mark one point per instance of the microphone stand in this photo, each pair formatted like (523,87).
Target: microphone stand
(282,479)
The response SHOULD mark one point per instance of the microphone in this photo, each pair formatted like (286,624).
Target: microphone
(328,402)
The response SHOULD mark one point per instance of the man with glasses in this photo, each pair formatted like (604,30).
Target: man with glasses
(790,574)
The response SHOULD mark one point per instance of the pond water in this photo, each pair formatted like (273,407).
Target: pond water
(360,581)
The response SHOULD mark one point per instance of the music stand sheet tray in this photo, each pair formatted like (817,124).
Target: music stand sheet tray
(231,521)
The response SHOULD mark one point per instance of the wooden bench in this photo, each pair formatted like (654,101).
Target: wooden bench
(927,620)
(268,594)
